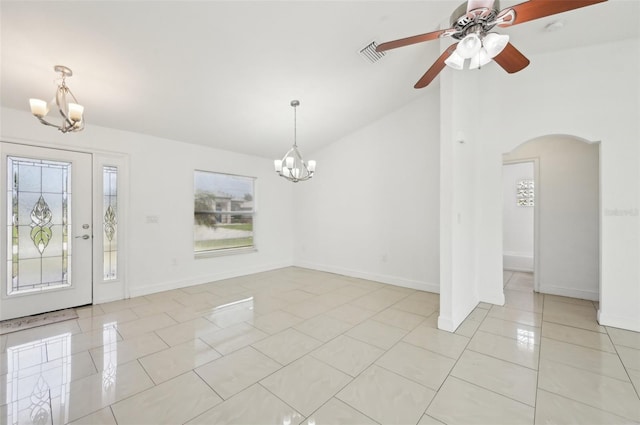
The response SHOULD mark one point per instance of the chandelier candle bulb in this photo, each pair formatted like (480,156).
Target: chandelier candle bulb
(75,111)
(311,166)
(277,163)
(38,107)
(289,162)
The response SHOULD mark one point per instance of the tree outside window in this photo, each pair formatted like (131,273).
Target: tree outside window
(223,211)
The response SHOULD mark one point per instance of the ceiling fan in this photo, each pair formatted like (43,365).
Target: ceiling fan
(471,24)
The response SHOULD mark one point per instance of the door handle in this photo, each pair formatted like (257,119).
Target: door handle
(83,237)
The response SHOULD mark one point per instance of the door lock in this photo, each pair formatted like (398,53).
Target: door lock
(83,237)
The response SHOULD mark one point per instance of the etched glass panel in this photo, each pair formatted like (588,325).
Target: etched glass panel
(223,211)
(38,204)
(110,222)
(525,193)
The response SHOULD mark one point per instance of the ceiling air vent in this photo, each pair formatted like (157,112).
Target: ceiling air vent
(369,52)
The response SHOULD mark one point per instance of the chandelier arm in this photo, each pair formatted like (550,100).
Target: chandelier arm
(42,120)
(61,101)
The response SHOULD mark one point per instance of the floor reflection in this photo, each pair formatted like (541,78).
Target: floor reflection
(526,339)
(110,356)
(39,377)
(32,381)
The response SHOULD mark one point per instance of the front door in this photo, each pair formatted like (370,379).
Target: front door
(46,232)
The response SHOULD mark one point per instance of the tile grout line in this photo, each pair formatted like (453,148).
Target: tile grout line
(582,369)
(615,347)
(535,410)
(456,361)
(353,378)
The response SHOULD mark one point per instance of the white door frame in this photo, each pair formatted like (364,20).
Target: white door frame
(103,291)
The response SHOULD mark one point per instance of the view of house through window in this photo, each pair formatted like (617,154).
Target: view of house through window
(223,210)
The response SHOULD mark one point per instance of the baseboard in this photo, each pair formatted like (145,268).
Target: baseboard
(516,269)
(390,280)
(183,283)
(569,292)
(497,299)
(104,300)
(445,324)
(627,323)
(516,262)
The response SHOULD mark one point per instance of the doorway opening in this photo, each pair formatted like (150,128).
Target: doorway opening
(518,224)
(564,202)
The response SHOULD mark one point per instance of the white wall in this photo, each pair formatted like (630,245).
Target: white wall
(568,93)
(568,206)
(458,265)
(517,221)
(160,256)
(371,211)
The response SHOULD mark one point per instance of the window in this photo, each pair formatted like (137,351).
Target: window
(525,193)
(110,222)
(223,211)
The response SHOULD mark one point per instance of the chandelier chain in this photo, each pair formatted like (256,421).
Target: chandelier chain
(295,125)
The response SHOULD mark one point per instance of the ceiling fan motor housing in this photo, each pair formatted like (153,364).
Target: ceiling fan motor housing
(480,20)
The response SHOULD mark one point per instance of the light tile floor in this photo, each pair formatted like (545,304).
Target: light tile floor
(295,346)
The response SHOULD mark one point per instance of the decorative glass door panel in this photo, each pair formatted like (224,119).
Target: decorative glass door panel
(110,222)
(46,229)
(39,200)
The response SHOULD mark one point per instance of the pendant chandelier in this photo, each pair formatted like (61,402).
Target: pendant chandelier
(71,112)
(292,167)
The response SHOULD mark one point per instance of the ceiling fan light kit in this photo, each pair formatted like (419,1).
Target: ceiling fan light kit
(480,50)
(455,61)
(495,43)
(472,22)
(480,59)
(469,46)
(72,112)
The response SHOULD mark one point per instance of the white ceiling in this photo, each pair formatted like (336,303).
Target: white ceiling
(222,73)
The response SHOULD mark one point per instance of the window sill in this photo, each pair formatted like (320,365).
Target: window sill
(224,252)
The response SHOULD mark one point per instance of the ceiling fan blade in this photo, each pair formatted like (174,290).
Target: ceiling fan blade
(511,59)
(411,40)
(535,9)
(435,69)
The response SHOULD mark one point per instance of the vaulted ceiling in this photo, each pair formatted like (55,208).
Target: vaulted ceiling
(222,73)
